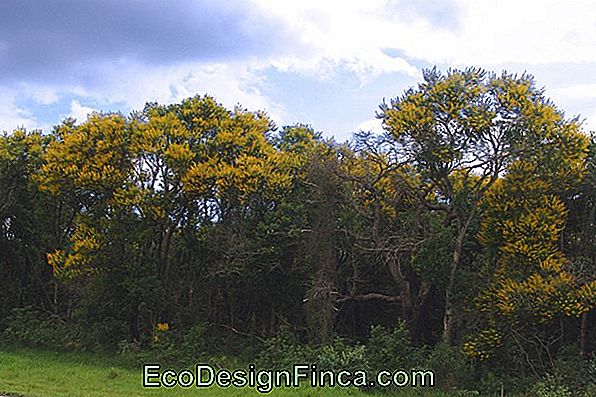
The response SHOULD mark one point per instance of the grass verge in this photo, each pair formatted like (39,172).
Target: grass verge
(42,373)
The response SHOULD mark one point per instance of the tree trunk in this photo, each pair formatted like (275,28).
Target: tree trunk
(449,316)
(448,321)
(405,291)
(321,255)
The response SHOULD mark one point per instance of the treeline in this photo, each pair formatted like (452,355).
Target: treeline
(469,221)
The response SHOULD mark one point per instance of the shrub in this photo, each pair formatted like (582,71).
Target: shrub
(574,371)
(452,370)
(134,354)
(35,328)
(194,343)
(391,349)
(283,351)
(550,387)
(341,356)
(572,375)
(100,335)
(31,327)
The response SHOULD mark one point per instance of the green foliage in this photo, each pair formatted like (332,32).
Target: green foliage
(164,349)
(549,387)
(572,371)
(434,255)
(29,326)
(191,230)
(391,349)
(385,349)
(452,369)
(194,343)
(283,351)
(340,355)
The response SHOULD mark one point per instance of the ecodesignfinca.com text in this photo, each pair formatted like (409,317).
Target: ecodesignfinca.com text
(265,380)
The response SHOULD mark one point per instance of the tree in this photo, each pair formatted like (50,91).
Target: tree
(580,238)
(533,282)
(149,191)
(385,226)
(461,130)
(30,223)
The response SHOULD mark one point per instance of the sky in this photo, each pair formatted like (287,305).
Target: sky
(327,63)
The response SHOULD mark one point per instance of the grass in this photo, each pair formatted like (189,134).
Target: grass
(41,373)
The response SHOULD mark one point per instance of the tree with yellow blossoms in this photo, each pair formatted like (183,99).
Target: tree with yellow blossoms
(462,131)
(534,283)
(145,185)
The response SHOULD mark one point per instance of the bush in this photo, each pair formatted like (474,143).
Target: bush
(100,335)
(32,327)
(573,371)
(489,384)
(163,349)
(391,350)
(572,375)
(134,354)
(194,343)
(341,356)
(550,387)
(452,370)
(283,351)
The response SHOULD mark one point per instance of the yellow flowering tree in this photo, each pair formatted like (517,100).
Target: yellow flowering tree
(534,282)
(150,188)
(461,131)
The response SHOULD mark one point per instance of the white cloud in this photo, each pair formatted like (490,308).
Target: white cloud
(590,122)
(577,92)
(373,125)
(228,83)
(493,34)
(12,115)
(486,33)
(127,86)
(324,36)
(330,33)
(528,32)
(41,94)
(80,112)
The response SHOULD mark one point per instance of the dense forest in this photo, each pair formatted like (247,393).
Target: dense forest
(464,232)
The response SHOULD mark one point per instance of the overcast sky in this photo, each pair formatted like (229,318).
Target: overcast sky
(327,63)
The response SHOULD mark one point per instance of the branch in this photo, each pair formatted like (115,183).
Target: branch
(368,297)
(241,333)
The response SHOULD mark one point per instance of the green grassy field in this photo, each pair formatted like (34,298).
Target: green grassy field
(39,373)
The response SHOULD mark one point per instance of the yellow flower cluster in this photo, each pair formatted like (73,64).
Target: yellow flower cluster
(483,345)
(162,327)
